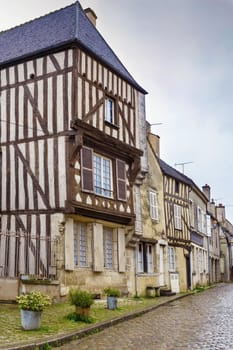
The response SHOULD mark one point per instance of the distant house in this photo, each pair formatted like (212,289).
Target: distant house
(213,234)
(200,237)
(72,144)
(176,187)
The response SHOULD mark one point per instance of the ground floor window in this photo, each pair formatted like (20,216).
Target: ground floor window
(171,254)
(80,244)
(108,247)
(145,257)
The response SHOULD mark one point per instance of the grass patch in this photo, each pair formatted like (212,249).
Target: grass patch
(57,319)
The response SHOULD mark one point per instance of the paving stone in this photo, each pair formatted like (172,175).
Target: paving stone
(203,321)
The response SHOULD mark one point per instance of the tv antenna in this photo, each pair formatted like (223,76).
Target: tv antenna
(183,164)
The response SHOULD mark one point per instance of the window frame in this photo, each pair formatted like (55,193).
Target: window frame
(80,244)
(172,259)
(104,191)
(145,258)
(108,248)
(110,110)
(177,217)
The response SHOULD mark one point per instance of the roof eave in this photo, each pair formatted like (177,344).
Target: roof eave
(59,47)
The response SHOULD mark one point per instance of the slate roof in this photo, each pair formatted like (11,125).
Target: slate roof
(169,171)
(60,28)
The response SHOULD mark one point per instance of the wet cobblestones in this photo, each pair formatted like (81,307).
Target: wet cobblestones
(202,321)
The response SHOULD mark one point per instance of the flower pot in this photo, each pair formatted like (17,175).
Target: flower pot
(30,319)
(111,303)
(83,311)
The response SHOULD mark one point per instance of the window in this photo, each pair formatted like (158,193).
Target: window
(145,257)
(102,176)
(177,217)
(109,110)
(80,245)
(154,210)
(97,174)
(171,253)
(208,225)
(108,247)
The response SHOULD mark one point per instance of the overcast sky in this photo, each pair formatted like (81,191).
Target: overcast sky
(181,52)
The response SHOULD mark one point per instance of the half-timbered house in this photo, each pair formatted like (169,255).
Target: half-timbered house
(72,140)
(176,187)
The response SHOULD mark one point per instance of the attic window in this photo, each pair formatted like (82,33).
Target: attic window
(110,110)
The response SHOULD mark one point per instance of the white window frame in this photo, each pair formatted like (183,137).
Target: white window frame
(102,176)
(177,217)
(154,208)
(108,247)
(172,259)
(149,255)
(110,110)
(145,250)
(80,245)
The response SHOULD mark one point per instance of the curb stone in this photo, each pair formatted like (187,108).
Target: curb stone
(60,340)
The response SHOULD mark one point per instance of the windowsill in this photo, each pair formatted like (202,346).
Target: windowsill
(147,274)
(114,126)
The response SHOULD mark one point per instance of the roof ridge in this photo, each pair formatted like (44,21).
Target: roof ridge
(38,18)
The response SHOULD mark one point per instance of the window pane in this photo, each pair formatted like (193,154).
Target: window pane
(109,110)
(102,176)
(108,248)
(140,257)
(80,245)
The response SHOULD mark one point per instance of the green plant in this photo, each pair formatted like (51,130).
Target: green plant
(80,298)
(79,317)
(112,292)
(33,301)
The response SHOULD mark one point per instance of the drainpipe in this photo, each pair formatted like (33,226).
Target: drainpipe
(136,272)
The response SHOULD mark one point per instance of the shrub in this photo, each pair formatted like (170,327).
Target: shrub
(80,298)
(33,301)
(112,292)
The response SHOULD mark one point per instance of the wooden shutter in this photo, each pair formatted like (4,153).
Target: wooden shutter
(98,258)
(69,245)
(121,249)
(87,169)
(154,211)
(121,180)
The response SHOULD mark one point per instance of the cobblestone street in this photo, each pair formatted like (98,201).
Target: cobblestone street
(200,321)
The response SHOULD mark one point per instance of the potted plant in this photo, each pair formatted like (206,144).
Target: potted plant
(31,306)
(112,295)
(82,301)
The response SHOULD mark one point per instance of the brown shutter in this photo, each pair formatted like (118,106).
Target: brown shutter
(121,179)
(87,169)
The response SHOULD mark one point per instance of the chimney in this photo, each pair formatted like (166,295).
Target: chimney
(206,190)
(91,15)
(155,143)
(220,211)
